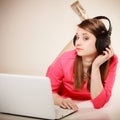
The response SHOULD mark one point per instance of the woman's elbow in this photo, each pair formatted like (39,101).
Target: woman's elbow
(98,105)
(101,103)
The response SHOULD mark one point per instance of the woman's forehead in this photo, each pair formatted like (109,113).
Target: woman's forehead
(82,31)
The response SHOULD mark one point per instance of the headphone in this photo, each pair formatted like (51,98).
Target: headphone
(102,40)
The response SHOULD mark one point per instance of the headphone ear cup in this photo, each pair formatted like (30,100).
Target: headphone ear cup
(74,39)
(103,40)
(102,43)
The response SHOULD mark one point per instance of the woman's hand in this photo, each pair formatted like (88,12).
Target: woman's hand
(107,54)
(66,103)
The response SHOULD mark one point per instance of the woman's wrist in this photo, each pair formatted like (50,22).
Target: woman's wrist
(95,65)
(57,99)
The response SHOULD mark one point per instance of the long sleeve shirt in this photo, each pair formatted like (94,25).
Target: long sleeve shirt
(61,76)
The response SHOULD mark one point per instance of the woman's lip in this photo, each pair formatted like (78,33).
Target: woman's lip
(79,49)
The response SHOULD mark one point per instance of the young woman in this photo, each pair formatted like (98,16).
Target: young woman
(87,72)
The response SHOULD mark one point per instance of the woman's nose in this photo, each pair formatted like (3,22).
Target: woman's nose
(78,42)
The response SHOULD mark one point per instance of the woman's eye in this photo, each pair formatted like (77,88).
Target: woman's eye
(86,38)
(77,38)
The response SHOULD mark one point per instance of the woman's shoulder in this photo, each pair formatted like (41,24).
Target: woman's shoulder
(114,60)
(69,54)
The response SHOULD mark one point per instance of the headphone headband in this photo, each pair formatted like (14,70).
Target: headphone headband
(103,17)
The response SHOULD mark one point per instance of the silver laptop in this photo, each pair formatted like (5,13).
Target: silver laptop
(29,96)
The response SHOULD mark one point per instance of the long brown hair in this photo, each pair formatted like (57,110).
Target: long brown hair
(98,29)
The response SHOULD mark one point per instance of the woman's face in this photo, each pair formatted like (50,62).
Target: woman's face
(85,43)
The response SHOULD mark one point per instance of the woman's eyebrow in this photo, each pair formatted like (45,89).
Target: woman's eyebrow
(85,33)
(82,33)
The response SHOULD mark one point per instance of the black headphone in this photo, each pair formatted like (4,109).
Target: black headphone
(102,40)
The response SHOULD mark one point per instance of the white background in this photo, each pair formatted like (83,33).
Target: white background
(33,32)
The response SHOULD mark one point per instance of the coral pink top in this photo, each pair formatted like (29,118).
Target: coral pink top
(61,76)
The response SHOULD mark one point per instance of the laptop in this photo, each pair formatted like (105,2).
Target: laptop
(28,96)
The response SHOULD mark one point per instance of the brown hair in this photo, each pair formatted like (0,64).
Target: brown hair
(97,28)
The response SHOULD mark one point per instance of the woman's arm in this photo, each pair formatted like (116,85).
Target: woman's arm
(100,94)
(55,73)
(96,82)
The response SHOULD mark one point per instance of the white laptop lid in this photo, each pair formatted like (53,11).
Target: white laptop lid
(26,95)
